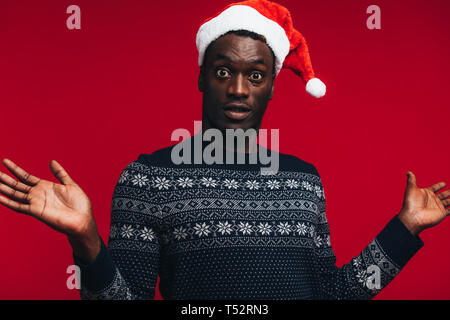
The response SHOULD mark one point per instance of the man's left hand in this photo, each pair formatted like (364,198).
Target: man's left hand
(422,207)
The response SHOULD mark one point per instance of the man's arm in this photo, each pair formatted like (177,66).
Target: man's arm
(377,265)
(369,272)
(127,269)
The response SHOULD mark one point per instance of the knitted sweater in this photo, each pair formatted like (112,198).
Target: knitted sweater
(228,232)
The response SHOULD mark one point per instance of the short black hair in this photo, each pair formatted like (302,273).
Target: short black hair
(242,33)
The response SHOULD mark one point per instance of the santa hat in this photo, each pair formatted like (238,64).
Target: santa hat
(272,21)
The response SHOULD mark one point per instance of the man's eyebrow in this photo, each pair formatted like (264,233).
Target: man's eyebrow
(220,56)
(258,61)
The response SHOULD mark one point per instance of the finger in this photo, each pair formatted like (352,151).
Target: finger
(60,173)
(411,179)
(4,178)
(13,193)
(446,202)
(13,205)
(438,186)
(20,174)
(443,194)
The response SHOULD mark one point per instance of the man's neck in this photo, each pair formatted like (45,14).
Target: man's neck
(250,145)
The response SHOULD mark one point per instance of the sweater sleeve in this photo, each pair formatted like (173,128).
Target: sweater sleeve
(127,269)
(365,275)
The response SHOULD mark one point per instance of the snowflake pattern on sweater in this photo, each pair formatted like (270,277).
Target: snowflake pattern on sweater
(215,232)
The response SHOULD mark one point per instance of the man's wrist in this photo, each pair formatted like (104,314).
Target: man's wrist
(409,222)
(85,248)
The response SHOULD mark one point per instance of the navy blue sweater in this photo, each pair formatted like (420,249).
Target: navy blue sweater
(228,232)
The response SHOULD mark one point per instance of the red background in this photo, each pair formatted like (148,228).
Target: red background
(96,98)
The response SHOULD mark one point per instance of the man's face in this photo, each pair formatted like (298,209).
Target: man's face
(237,83)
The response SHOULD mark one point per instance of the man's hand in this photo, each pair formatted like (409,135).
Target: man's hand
(63,207)
(422,207)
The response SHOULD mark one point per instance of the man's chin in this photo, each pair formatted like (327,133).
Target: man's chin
(235,125)
(223,123)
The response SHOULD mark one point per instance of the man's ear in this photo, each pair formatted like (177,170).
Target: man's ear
(201,81)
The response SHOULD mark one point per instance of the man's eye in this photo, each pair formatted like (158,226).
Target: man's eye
(222,73)
(256,76)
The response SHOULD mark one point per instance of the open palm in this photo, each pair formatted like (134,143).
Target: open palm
(424,207)
(63,207)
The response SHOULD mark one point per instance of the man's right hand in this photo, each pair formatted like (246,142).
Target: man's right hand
(63,207)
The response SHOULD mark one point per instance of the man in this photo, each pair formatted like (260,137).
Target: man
(224,231)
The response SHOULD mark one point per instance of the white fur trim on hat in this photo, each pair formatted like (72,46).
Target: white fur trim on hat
(246,18)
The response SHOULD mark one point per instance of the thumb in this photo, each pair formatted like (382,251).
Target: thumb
(411,179)
(59,172)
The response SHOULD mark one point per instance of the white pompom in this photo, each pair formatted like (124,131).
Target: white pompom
(316,88)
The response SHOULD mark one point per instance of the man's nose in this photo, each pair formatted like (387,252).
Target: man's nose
(238,87)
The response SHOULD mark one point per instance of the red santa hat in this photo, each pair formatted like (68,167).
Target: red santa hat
(272,21)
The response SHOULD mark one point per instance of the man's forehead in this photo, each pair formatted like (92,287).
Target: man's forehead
(233,48)
(256,59)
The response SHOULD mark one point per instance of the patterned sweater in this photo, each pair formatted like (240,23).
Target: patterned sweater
(228,232)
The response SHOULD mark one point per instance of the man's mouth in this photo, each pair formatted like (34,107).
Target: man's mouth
(237,111)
